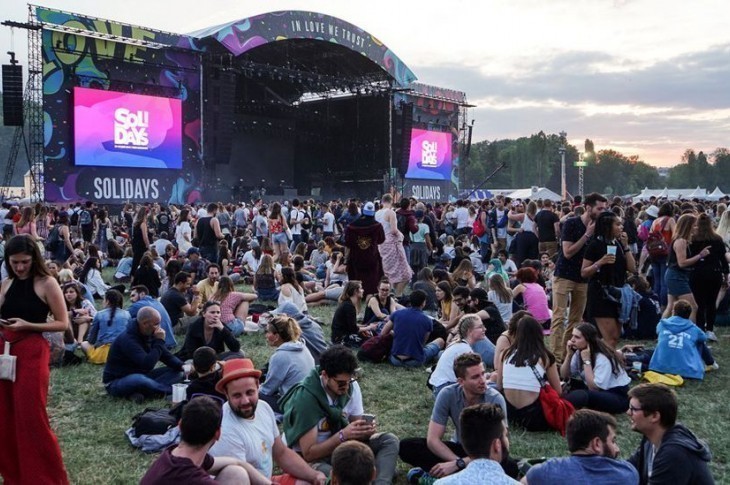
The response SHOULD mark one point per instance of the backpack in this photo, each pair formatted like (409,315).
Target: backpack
(74,218)
(478,228)
(85,218)
(643,232)
(656,246)
(54,239)
(154,421)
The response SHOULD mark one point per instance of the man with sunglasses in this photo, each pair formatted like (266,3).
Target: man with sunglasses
(669,452)
(326,410)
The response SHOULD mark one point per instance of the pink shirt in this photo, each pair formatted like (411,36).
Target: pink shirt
(536,301)
(228,306)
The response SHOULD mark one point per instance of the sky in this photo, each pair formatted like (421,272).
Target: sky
(644,77)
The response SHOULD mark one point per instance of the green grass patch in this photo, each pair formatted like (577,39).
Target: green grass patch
(90,425)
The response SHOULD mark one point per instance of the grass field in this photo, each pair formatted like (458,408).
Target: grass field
(90,425)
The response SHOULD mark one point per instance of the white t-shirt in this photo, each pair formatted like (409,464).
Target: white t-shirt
(505,308)
(328,222)
(182,229)
(603,376)
(353,407)
(250,260)
(249,440)
(509,266)
(296,217)
(462,217)
(444,372)
(262,225)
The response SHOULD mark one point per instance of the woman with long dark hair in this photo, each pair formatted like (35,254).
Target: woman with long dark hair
(101,224)
(522,363)
(140,237)
(345,329)
(30,451)
(81,312)
(277,230)
(291,291)
(184,232)
(665,225)
(527,243)
(598,380)
(709,275)
(148,276)
(605,263)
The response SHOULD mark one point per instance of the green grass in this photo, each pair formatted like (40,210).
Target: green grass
(90,425)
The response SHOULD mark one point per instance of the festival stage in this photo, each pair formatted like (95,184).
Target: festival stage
(282,104)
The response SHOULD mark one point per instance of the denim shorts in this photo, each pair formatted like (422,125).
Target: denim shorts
(280,238)
(677,282)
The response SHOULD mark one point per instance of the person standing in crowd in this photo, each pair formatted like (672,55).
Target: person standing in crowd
(140,238)
(669,452)
(183,232)
(709,274)
(594,452)
(102,225)
(665,225)
(362,238)
(526,240)
(392,252)
(277,230)
(548,228)
(208,232)
(30,451)
(26,224)
(296,216)
(605,263)
(680,264)
(570,289)
(597,378)
(327,220)
(407,224)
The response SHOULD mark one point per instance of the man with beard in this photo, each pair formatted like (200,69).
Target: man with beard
(362,238)
(568,286)
(591,437)
(248,429)
(485,440)
(441,458)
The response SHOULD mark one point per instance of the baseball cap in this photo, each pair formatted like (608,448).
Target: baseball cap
(368,209)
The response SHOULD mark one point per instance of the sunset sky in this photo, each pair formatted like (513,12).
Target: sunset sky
(650,78)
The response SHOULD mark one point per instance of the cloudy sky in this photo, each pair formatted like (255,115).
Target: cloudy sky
(645,77)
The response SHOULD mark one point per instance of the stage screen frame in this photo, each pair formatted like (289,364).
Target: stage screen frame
(428,161)
(126,130)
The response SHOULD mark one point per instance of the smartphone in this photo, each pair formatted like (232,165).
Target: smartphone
(369,418)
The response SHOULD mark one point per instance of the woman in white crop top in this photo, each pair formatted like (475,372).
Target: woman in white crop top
(518,380)
(598,380)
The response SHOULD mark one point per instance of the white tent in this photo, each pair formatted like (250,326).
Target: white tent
(716,194)
(698,193)
(534,193)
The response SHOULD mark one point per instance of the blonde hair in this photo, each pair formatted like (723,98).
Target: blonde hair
(286,328)
(65,275)
(466,322)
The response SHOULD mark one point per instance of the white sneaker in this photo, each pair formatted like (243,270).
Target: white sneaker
(711,336)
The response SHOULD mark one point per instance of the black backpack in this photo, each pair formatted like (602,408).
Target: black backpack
(54,239)
(154,421)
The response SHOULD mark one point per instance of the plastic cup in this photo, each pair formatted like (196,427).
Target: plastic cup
(179,393)
(611,250)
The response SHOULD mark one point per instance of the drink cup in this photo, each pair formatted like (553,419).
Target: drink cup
(179,393)
(611,250)
(636,366)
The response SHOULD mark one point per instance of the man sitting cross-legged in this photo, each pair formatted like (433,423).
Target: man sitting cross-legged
(441,458)
(326,409)
(591,437)
(486,442)
(189,462)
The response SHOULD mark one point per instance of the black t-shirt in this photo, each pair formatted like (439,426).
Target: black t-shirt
(344,321)
(545,220)
(174,301)
(569,269)
(610,274)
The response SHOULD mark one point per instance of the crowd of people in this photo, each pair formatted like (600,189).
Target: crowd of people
(498,299)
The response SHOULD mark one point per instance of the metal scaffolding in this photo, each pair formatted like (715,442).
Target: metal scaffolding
(34,105)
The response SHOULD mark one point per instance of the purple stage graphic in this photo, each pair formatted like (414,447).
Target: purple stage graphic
(430,155)
(123,130)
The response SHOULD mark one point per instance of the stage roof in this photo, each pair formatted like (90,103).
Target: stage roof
(309,41)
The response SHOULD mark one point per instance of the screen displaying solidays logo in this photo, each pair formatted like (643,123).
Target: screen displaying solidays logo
(430,155)
(113,129)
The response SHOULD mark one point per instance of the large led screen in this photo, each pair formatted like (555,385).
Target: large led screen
(430,155)
(113,129)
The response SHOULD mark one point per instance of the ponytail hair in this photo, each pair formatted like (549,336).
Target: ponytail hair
(115,300)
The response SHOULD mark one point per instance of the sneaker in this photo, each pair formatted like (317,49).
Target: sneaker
(711,336)
(414,474)
(710,368)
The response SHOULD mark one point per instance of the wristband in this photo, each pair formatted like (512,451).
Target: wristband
(627,249)
(342,436)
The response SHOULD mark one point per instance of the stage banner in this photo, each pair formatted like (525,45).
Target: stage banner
(427,190)
(121,121)
(246,34)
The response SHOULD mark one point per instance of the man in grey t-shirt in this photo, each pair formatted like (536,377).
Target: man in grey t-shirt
(441,458)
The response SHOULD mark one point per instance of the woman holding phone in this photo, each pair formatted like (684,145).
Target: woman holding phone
(30,451)
(605,263)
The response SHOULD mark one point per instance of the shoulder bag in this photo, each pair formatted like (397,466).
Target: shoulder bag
(557,410)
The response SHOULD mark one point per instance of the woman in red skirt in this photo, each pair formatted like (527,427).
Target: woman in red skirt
(30,451)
